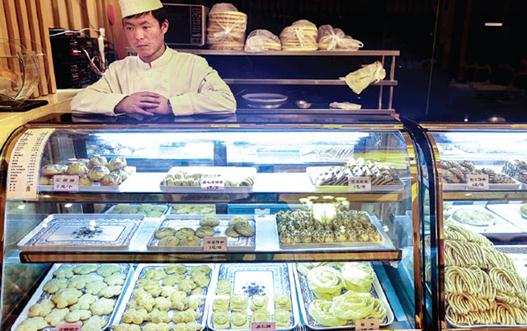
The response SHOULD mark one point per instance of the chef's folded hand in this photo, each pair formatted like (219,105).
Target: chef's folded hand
(163,108)
(139,103)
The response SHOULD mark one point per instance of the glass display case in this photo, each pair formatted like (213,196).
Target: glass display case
(193,226)
(479,240)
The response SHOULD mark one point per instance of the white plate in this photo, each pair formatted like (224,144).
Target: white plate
(265,98)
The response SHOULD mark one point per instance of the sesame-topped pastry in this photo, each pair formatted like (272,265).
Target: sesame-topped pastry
(111,180)
(53,169)
(117,163)
(77,168)
(98,160)
(98,172)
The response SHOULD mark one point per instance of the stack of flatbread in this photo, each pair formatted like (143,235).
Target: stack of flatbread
(226,28)
(300,36)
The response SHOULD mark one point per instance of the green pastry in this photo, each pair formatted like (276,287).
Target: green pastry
(239,303)
(230,232)
(165,232)
(244,228)
(210,220)
(239,320)
(221,303)
(185,232)
(169,241)
(261,315)
(282,302)
(224,286)
(282,317)
(205,231)
(259,302)
(220,320)
(201,280)
(175,269)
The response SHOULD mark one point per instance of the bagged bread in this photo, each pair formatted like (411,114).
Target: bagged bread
(330,38)
(226,27)
(262,40)
(300,36)
(363,77)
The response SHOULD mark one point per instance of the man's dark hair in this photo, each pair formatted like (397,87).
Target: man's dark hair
(159,14)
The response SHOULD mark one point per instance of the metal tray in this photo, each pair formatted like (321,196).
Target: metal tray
(510,212)
(314,171)
(40,294)
(228,172)
(339,245)
(95,187)
(192,221)
(501,226)
(139,274)
(58,231)
(136,205)
(306,296)
(272,278)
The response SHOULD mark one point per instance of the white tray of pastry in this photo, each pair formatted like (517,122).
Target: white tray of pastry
(88,293)
(172,224)
(307,296)
(382,243)
(95,186)
(247,292)
(181,301)
(77,232)
(189,179)
(511,212)
(342,182)
(478,219)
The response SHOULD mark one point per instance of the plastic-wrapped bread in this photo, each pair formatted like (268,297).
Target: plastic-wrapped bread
(363,77)
(262,40)
(330,38)
(300,36)
(226,27)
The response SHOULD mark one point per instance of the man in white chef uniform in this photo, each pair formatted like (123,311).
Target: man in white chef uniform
(159,80)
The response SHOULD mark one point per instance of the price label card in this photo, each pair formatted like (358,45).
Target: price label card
(212,182)
(69,326)
(367,325)
(24,164)
(215,244)
(65,183)
(359,184)
(478,182)
(263,326)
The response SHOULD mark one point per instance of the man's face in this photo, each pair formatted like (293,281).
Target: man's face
(145,35)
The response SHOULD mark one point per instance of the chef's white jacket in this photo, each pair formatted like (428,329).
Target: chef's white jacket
(187,80)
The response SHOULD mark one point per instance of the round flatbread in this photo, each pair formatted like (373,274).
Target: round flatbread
(474,217)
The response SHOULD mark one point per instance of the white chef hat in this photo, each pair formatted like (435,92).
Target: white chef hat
(134,7)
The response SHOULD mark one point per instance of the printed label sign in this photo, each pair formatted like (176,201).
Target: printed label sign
(263,326)
(360,184)
(24,164)
(367,325)
(479,182)
(66,183)
(69,326)
(212,182)
(215,244)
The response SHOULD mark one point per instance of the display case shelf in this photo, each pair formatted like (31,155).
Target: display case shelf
(323,82)
(484,195)
(289,53)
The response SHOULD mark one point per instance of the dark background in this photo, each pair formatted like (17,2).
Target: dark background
(452,66)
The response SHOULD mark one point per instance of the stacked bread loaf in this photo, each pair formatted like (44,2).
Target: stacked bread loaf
(226,28)
(300,36)
(262,40)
